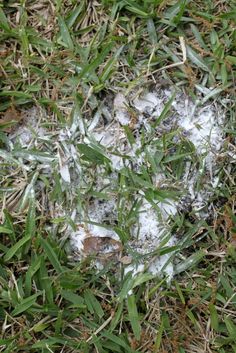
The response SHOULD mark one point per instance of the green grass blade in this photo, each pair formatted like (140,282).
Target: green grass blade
(4,22)
(133,7)
(76,299)
(165,111)
(29,231)
(46,282)
(51,255)
(117,340)
(159,337)
(25,304)
(214,317)
(93,304)
(91,154)
(110,64)
(65,34)
(231,327)
(16,247)
(133,316)
(190,261)
(73,16)
(5,230)
(97,61)
(34,267)
(196,59)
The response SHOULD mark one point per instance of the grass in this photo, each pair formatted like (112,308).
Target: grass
(66,57)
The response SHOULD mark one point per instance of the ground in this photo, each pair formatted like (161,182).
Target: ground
(117,178)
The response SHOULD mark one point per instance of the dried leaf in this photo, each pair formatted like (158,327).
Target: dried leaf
(101,246)
(10,117)
(126,260)
(233,239)
(4,52)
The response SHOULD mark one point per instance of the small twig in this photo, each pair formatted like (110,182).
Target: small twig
(101,327)
(184,59)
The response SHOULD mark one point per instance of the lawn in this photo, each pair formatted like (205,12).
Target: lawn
(117,178)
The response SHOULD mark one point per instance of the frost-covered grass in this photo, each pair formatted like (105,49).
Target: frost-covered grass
(117,178)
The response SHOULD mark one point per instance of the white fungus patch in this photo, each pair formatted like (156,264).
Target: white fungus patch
(151,226)
(120,109)
(149,103)
(200,125)
(202,129)
(163,264)
(29,129)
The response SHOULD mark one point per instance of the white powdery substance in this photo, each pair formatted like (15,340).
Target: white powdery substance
(151,228)
(202,130)
(135,269)
(150,103)
(101,211)
(112,137)
(77,237)
(24,134)
(163,264)
(120,109)
(65,173)
(151,225)
(202,126)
